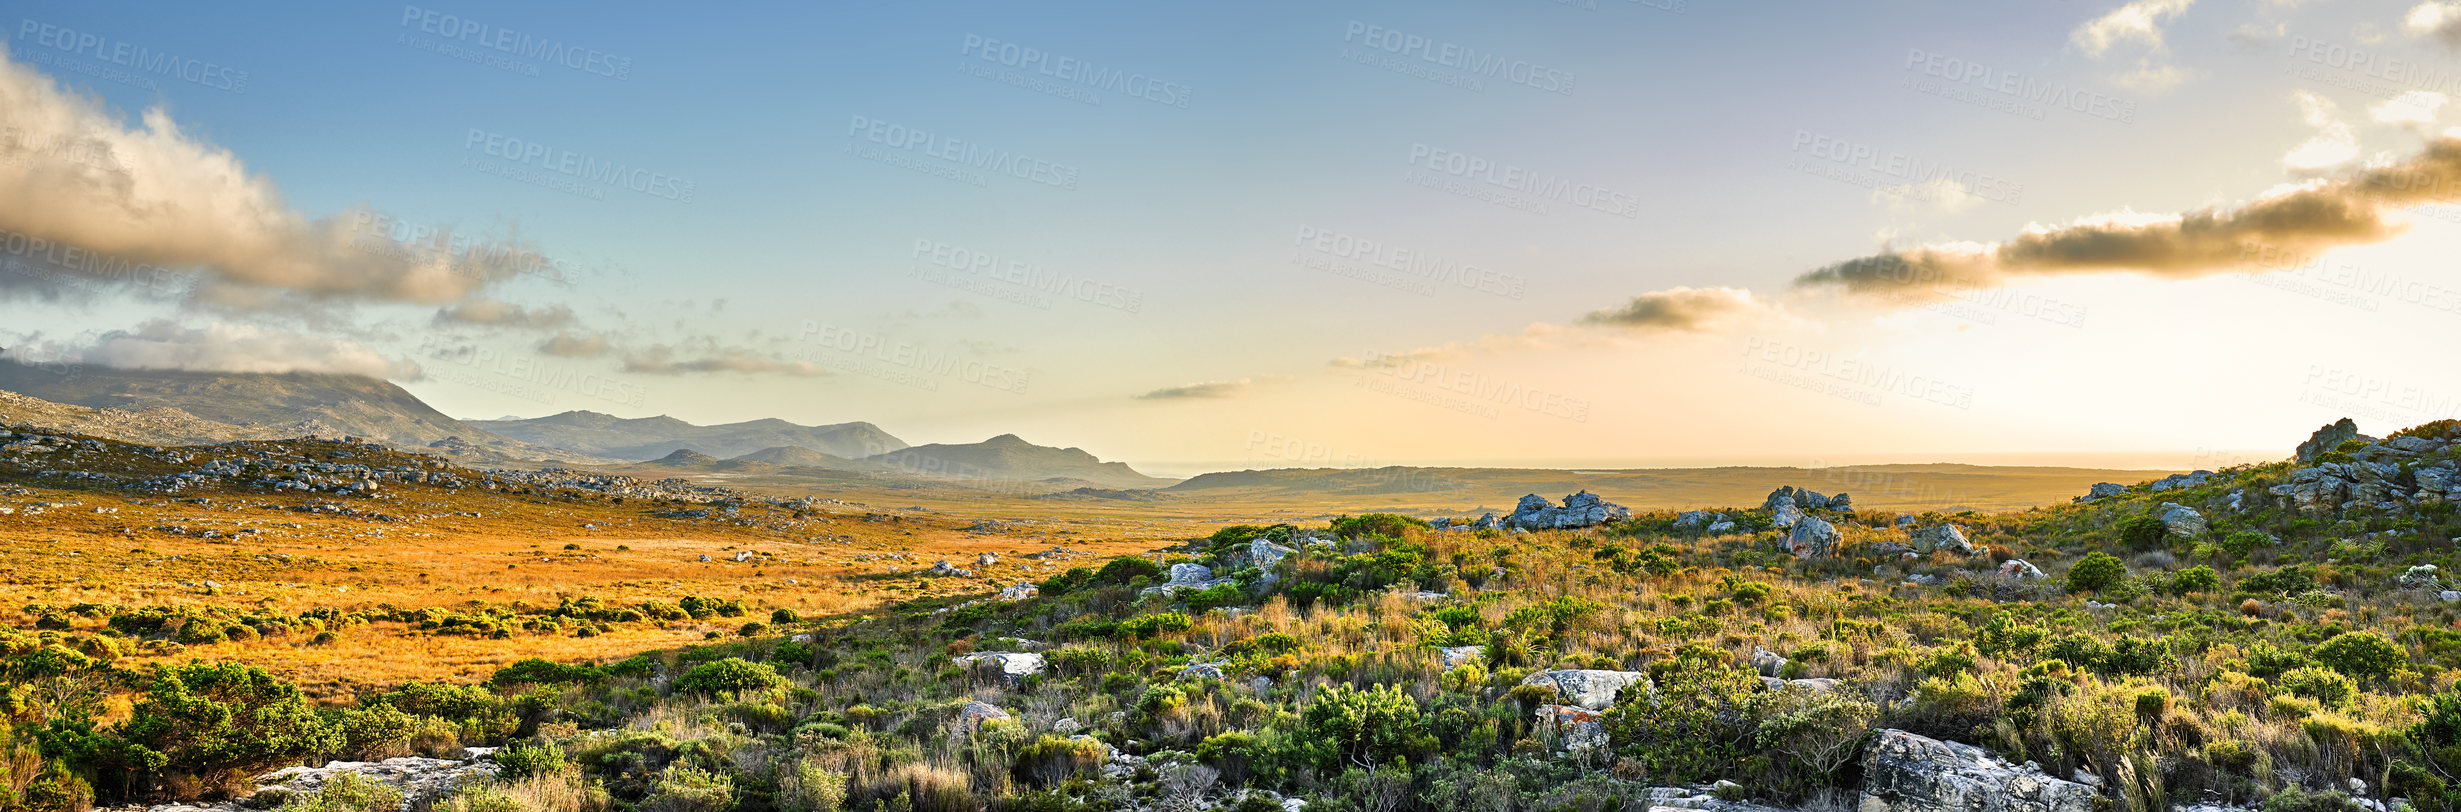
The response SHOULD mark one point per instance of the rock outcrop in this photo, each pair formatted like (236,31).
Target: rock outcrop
(1941,537)
(1187,576)
(1812,537)
(2021,570)
(2328,438)
(1583,509)
(1904,772)
(1588,688)
(2182,521)
(1573,728)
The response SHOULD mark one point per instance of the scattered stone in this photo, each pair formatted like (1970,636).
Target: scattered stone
(944,569)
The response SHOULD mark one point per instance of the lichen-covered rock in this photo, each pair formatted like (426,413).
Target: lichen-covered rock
(1904,772)
(975,714)
(2328,438)
(1573,728)
(1812,537)
(2183,521)
(1455,656)
(2020,569)
(1947,537)
(1588,688)
(1582,509)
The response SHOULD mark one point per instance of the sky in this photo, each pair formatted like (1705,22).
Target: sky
(1189,236)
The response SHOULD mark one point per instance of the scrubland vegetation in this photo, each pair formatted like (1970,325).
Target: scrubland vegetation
(2266,661)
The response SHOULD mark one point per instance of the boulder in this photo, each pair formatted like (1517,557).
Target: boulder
(1573,728)
(1841,502)
(2328,438)
(1904,772)
(1721,528)
(2104,490)
(2183,521)
(1454,656)
(1264,554)
(1692,520)
(1785,515)
(2020,569)
(1190,573)
(1020,591)
(1812,537)
(1067,725)
(1015,664)
(1201,671)
(1582,509)
(986,559)
(975,714)
(944,568)
(1587,688)
(1767,662)
(421,780)
(1947,537)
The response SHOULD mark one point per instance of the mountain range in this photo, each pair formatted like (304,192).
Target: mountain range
(648,438)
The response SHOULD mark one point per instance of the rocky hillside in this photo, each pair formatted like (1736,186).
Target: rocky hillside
(1010,458)
(277,404)
(649,438)
(146,427)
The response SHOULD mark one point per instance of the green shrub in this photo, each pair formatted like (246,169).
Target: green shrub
(375,732)
(2329,688)
(204,728)
(2142,532)
(347,792)
(728,676)
(2362,654)
(535,671)
(1055,758)
(1361,727)
(1384,525)
(2096,572)
(1127,568)
(683,788)
(2199,578)
(522,760)
(807,787)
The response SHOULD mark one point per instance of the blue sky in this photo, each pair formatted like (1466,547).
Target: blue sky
(1210,238)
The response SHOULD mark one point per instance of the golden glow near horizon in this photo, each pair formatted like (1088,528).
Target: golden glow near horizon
(2148,233)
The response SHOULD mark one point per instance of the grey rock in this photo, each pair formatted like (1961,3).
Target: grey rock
(1721,528)
(1812,537)
(1265,554)
(1947,537)
(974,714)
(1767,662)
(1588,688)
(1582,509)
(2328,438)
(1573,728)
(1454,656)
(1904,772)
(1015,664)
(2182,521)
(2020,569)
(2105,490)
(1020,591)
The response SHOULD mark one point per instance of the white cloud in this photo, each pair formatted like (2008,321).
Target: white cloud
(2441,20)
(219,347)
(72,173)
(2140,21)
(2333,144)
(2416,109)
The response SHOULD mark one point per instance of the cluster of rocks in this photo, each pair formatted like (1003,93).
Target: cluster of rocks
(1016,665)
(422,781)
(1186,576)
(1788,504)
(945,569)
(1906,772)
(2390,475)
(1535,512)
(2106,490)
